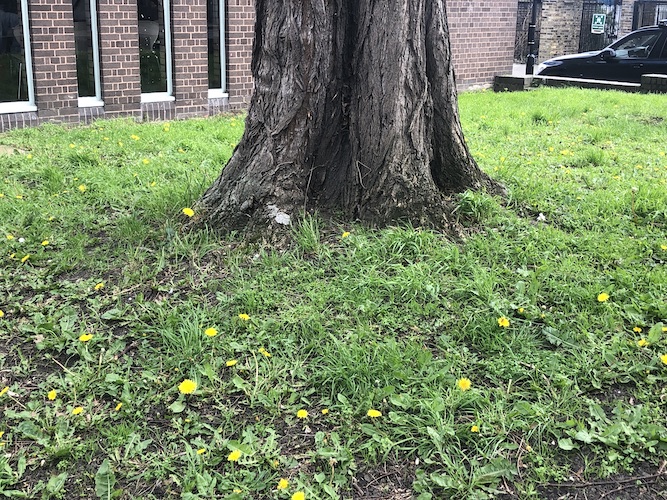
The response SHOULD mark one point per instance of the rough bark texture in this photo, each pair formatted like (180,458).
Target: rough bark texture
(354,113)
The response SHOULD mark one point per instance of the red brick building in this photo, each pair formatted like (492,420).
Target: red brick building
(71,61)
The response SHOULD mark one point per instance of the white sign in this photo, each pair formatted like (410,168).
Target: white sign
(597,26)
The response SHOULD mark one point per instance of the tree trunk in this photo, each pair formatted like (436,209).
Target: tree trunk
(354,114)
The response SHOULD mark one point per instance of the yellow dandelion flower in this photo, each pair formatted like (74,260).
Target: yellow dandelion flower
(72,146)
(302,414)
(10,236)
(77,411)
(53,394)
(521,310)
(503,322)
(663,358)
(86,337)
(4,391)
(187,386)
(145,161)
(264,352)
(210,332)
(201,451)
(345,234)
(234,456)
(82,188)
(231,362)
(299,495)
(99,286)
(118,407)
(19,197)
(134,137)
(244,317)
(663,247)
(29,156)
(529,448)
(45,242)
(642,342)
(374,413)
(188,211)
(283,484)
(464,384)
(637,329)
(325,411)
(474,428)
(25,257)
(181,150)
(603,297)
(2,313)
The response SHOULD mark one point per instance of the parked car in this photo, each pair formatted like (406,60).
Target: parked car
(626,60)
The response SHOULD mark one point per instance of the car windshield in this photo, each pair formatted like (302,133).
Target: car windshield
(637,45)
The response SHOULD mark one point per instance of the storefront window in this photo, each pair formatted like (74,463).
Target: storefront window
(87,50)
(155,46)
(15,67)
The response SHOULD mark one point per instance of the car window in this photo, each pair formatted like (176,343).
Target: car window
(637,46)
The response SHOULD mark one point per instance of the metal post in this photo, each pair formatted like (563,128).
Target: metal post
(530,62)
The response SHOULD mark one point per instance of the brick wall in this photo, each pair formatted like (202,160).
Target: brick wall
(190,45)
(481,34)
(240,35)
(119,58)
(54,60)
(561,25)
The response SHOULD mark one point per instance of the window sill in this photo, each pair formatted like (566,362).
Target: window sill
(157,97)
(90,102)
(217,94)
(17,107)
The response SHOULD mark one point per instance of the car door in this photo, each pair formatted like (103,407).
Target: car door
(637,54)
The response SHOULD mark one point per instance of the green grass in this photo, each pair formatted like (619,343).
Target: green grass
(389,320)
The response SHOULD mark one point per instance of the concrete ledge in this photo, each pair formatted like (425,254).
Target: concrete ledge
(650,83)
(558,81)
(654,83)
(509,83)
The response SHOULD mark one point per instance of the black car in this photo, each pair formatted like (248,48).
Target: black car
(626,60)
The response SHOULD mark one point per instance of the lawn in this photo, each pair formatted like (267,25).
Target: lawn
(526,357)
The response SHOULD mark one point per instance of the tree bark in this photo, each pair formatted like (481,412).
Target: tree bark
(354,114)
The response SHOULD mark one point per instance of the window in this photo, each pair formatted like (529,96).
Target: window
(637,46)
(217,77)
(17,92)
(87,52)
(155,50)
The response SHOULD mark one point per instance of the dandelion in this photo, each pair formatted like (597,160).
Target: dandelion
(86,337)
(25,257)
(234,456)
(45,242)
(264,352)
(210,332)
(188,211)
(72,146)
(637,329)
(145,161)
(201,451)
(663,247)
(663,358)
(521,310)
(10,236)
(181,150)
(19,197)
(503,322)
(642,342)
(302,414)
(464,384)
(244,317)
(118,407)
(231,362)
(2,313)
(52,395)
(325,411)
(134,137)
(77,411)
(603,297)
(299,495)
(99,286)
(187,386)
(374,413)
(345,234)
(82,188)
(4,391)
(474,428)
(29,156)
(283,484)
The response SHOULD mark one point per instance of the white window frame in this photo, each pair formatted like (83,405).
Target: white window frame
(221,93)
(169,94)
(29,105)
(90,102)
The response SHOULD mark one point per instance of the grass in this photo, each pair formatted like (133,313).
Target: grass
(106,302)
